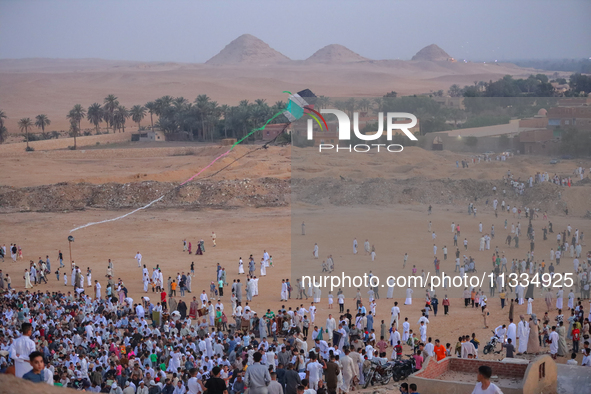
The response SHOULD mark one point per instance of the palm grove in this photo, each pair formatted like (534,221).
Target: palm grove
(206,120)
(203,119)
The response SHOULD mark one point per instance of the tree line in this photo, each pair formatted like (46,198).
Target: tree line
(538,85)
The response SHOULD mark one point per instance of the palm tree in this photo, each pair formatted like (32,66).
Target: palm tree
(3,131)
(322,102)
(162,104)
(111,104)
(138,112)
(95,115)
(151,107)
(203,107)
(41,121)
(121,114)
(364,104)
(76,115)
(2,117)
(74,129)
(24,124)
(225,112)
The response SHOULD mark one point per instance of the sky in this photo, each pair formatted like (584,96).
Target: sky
(194,31)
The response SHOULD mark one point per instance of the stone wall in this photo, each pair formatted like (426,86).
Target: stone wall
(532,382)
(498,368)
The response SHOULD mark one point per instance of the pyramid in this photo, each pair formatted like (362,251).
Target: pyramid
(335,53)
(247,49)
(431,53)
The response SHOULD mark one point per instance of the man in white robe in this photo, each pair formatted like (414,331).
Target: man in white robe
(284,292)
(331,325)
(554,338)
(405,330)
(349,370)
(20,350)
(559,296)
(523,334)
(512,331)
(394,315)
(500,332)
(408,300)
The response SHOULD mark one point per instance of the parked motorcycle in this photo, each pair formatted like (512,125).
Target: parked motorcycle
(378,373)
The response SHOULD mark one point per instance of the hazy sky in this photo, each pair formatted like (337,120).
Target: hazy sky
(194,31)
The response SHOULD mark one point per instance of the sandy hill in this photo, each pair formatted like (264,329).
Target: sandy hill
(335,53)
(247,49)
(431,53)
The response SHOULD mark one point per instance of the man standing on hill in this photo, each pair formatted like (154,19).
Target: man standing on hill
(21,349)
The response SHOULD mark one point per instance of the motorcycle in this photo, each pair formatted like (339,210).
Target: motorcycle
(378,373)
(491,345)
(403,368)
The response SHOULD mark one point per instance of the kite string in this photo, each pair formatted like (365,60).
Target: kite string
(185,182)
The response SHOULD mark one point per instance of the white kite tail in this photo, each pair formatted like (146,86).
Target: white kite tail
(158,199)
(119,217)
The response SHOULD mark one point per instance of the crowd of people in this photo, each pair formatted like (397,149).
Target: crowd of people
(105,341)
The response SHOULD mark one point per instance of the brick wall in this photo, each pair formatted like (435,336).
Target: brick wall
(498,368)
(432,368)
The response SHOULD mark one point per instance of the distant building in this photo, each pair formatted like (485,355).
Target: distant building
(537,122)
(151,136)
(273,130)
(560,88)
(451,102)
(565,117)
(537,142)
(574,101)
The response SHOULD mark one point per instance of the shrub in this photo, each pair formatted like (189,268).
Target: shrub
(29,149)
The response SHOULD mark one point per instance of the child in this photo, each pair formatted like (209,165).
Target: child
(36,375)
(65,279)
(57,274)
(398,350)
(418,360)
(510,348)
(572,360)
(546,334)
(448,349)
(484,384)
(475,342)
(271,261)
(413,387)
(330,300)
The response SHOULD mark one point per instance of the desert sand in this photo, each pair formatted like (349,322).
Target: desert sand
(53,86)
(158,233)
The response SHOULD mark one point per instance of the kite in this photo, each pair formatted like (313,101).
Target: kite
(298,104)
